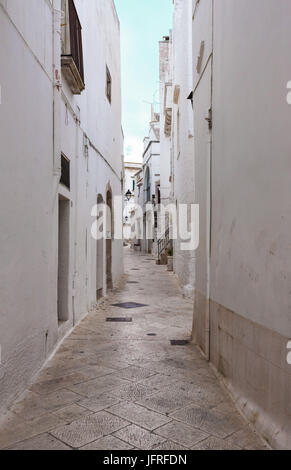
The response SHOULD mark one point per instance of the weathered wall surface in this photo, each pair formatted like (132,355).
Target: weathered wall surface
(32,138)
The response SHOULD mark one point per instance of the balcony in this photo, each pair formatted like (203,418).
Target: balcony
(72,50)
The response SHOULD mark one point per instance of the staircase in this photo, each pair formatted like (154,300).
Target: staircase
(163,244)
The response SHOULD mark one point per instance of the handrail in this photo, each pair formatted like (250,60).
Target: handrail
(163,243)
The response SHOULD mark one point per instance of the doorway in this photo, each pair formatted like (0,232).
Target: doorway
(100,250)
(109,236)
(63,259)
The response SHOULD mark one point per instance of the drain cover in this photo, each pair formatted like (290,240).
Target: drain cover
(134,269)
(151,334)
(129,305)
(132,282)
(179,342)
(119,319)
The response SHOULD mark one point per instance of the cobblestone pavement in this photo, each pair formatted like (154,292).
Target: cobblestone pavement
(122,385)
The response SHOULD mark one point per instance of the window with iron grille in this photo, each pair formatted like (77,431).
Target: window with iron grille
(72,48)
(108,84)
(65,175)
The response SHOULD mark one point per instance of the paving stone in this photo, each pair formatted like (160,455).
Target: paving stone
(35,405)
(89,429)
(181,433)
(41,442)
(211,421)
(159,381)
(52,385)
(108,443)
(135,374)
(139,415)
(72,413)
(111,363)
(214,443)
(132,392)
(166,402)
(169,445)
(139,437)
(98,386)
(226,407)
(13,433)
(98,402)
(247,439)
(201,394)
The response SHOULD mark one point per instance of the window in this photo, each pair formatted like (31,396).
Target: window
(108,84)
(65,174)
(72,49)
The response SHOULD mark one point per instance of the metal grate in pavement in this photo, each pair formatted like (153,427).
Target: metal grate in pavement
(119,319)
(132,282)
(179,342)
(129,305)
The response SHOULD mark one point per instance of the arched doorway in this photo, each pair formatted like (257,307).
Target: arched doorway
(109,237)
(100,250)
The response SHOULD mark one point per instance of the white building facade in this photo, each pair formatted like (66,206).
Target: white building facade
(177,144)
(149,191)
(61,153)
(129,189)
(182,165)
(242,142)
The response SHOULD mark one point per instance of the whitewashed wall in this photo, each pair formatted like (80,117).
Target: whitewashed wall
(31,140)
(183,188)
(245,180)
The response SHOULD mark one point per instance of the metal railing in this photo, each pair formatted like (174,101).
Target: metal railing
(163,243)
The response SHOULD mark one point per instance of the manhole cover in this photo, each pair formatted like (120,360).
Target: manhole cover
(119,319)
(129,305)
(179,342)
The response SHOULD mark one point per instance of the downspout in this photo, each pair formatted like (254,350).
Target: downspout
(209,207)
(57,87)
(208,244)
(75,199)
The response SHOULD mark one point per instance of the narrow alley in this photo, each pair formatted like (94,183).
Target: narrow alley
(117,381)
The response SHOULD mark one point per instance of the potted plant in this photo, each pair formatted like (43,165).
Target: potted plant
(170,259)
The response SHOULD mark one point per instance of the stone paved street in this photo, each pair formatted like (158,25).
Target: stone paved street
(122,385)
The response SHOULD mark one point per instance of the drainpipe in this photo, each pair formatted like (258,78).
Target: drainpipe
(75,199)
(209,205)
(57,87)
(208,245)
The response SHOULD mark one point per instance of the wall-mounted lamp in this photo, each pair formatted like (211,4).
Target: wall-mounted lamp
(128,195)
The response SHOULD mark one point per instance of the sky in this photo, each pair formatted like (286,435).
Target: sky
(143,23)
